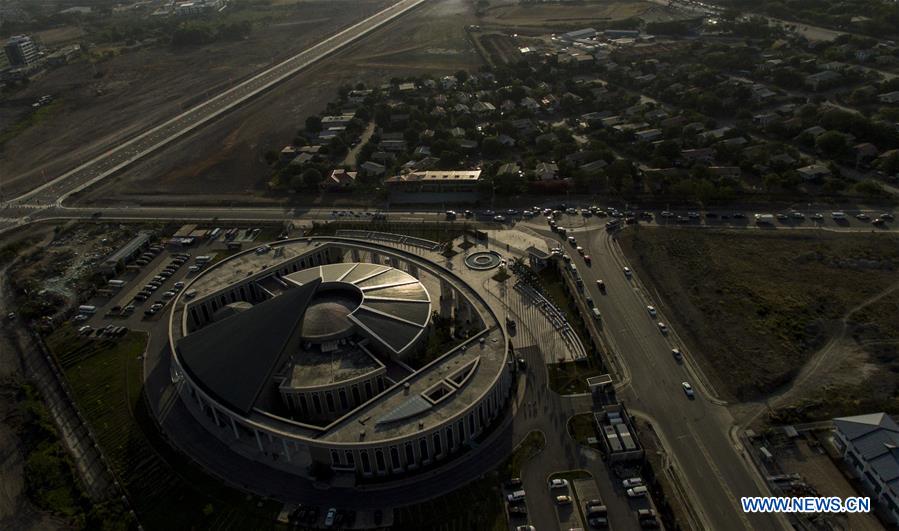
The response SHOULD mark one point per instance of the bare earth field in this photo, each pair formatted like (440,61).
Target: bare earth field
(562,15)
(764,310)
(138,89)
(224,162)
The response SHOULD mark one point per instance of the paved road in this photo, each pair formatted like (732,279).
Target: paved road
(695,431)
(117,158)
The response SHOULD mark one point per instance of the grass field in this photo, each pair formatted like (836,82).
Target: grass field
(165,491)
(478,505)
(581,427)
(754,306)
(872,369)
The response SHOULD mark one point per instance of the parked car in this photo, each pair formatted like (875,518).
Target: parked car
(637,492)
(558,483)
(330,517)
(516,497)
(563,499)
(632,482)
(518,510)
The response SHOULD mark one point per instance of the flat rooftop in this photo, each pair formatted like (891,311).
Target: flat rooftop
(316,368)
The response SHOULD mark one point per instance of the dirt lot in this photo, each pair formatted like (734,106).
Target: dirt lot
(754,307)
(559,16)
(228,157)
(114,99)
(819,471)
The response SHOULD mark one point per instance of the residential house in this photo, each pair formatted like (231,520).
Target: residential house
(509,168)
(822,80)
(546,171)
(339,179)
(701,155)
(648,135)
(814,172)
(372,169)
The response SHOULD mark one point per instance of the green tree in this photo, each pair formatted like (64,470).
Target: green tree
(312,177)
(832,144)
(313,124)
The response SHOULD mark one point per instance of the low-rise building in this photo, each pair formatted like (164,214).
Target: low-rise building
(813,172)
(435,181)
(870,446)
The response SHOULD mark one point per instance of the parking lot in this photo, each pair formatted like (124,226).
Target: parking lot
(138,295)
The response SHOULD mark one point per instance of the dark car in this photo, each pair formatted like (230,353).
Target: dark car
(513,483)
(518,510)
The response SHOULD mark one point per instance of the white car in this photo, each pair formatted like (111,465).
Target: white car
(558,483)
(632,482)
(817,216)
(663,327)
(499,218)
(637,492)
(572,240)
(563,500)
(525,528)
(651,310)
(688,389)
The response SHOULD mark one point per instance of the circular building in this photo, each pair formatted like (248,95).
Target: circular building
(342,353)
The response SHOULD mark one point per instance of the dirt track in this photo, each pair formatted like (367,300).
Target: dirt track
(117,98)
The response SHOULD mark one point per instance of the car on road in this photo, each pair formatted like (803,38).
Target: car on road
(651,310)
(563,500)
(688,389)
(627,271)
(798,215)
(632,482)
(558,483)
(525,528)
(887,216)
(678,355)
(587,259)
(637,492)
(330,517)
(601,285)
(572,240)
(862,216)
(580,250)
(499,218)
(817,216)
(663,328)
